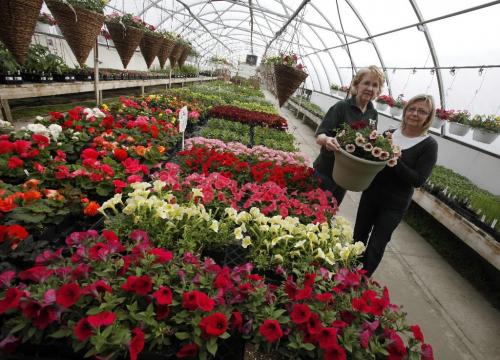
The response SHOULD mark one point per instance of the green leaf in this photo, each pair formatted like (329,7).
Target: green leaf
(61,333)
(308,346)
(182,335)
(212,347)
(225,336)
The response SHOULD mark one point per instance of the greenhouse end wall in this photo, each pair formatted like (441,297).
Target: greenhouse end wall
(480,168)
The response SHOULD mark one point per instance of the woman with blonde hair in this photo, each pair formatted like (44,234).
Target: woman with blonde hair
(365,87)
(384,203)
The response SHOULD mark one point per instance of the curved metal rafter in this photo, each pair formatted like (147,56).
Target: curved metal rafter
(435,59)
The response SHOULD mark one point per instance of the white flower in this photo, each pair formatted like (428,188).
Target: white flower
(140,186)
(38,129)
(368,147)
(278,259)
(197,193)
(392,163)
(384,155)
(344,253)
(360,141)
(214,226)
(39,118)
(55,131)
(358,248)
(246,242)
(350,148)
(158,185)
(376,152)
(238,232)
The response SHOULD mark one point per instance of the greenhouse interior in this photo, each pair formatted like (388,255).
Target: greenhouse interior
(260,179)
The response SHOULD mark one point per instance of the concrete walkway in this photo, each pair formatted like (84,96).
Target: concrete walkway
(456,320)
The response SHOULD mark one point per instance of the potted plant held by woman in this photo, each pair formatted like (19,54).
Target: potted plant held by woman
(363,154)
(486,128)
(459,123)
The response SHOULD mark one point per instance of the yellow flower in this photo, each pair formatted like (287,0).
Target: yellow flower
(238,233)
(197,193)
(105,107)
(278,258)
(344,253)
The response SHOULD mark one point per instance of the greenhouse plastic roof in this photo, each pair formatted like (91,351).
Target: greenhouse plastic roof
(421,44)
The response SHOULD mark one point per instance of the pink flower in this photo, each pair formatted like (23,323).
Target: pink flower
(368,147)
(376,151)
(350,148)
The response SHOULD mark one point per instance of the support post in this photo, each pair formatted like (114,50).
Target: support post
(96,74)
(6,110)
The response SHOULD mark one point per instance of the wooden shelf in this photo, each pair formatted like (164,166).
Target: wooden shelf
(481,242)
(9,92)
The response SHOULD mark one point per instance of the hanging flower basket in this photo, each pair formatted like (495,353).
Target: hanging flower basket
(184,55)
(150,47)
(175,54)
(353,173)
(437,123)
(396,112)
(165,50)
(19,18)
(126,39)
(458,129)
(484,136)
(288,79)
(381,106)
(79,27)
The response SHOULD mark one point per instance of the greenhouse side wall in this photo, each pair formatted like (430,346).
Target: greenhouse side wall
(479,167)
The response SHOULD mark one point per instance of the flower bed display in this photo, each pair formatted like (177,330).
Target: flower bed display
(248,117)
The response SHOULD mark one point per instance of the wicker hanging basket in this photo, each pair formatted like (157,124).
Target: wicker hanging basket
(80,27)
(165,50)
(184,55)
(287,80)
(17,26)
(175,54)
(126,40)
(150,46)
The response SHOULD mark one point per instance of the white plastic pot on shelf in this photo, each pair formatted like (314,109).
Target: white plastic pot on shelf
(458,129)
(396,112)
(381,106)
(484,136)
(437,123)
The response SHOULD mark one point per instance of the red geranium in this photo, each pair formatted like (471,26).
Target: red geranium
(214,324)
(68,294)
(120,154)
(15,162)
(271,330)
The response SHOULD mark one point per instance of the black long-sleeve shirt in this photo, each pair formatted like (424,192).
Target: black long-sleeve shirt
(395,185)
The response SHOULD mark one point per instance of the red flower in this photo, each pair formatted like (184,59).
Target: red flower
(188,351)
(193,300)
(140,285)
(119,185)
(236,321)
(336,352)
(300,313)
(162,311)
(83,329)
(417,333)
(104,318)
(15,162)
(120,154)
(68,295)
(136,344)
(162,255)
(36,274)
(6,147)
(163,296)
(223,279)
(214,324)
(426,352)
(271,330)
(327,338)
(314,325)
(326,297)
(40,140)
(11,299)
(99,252)
(396,348)
(46,316)
(16,232)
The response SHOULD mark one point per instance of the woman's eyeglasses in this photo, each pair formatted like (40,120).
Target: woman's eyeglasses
(420,112)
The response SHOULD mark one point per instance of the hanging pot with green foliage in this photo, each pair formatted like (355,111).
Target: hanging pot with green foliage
(17,26)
